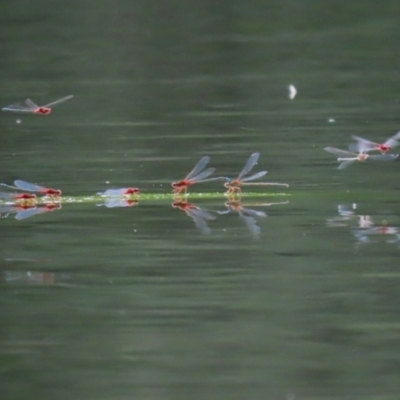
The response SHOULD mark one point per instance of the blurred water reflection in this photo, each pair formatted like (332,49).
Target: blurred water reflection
(26,211)
(117,202)
(248,214)
(197,214)
(363,227)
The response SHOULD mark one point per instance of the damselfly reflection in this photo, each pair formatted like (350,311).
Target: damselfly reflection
(122,197)
(249,215)
(26,211)
(113,202)
(198,215)
(18,197)
(376,233)
(345,214)
(29,278)
(120,192)
(363,227)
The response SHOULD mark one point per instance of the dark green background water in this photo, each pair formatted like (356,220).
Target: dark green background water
(136,303)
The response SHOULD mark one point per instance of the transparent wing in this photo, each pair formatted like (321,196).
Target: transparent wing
(31,105)
(4,195)
(255,176)
(29,213)
(115,202)
(113,192)
(252,213)
(15,108)
(345,164)
(18,108)
(30,187)
(339,152)
(361,147)
(36,211)
(364,145)
(251,225)
(344,211)
(53,103)
(200,213)
(201,224)
(251,162)
(202,175)
(396,136)
(198,167)
(200,217)
(384,157)
(365,141)
(393,141)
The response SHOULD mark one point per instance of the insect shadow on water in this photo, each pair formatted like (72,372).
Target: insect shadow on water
(197,214)
(248,214)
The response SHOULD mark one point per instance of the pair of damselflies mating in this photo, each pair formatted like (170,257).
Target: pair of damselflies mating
(198,174)
(360,149)
(29,187)
(29,107)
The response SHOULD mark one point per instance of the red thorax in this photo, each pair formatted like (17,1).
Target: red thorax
(43,111)
(129,191)
(383,148)
(235,182)
(182,205)
(130,203)
(181,184)
(24,196)
(52,206)
(51,192)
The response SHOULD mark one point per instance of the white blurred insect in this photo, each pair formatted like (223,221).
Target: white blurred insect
(292,92)
(348,157)
(365,145)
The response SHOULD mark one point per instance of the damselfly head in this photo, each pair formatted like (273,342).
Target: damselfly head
(227,183)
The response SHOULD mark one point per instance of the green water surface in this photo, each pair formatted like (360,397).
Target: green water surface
(288,301)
